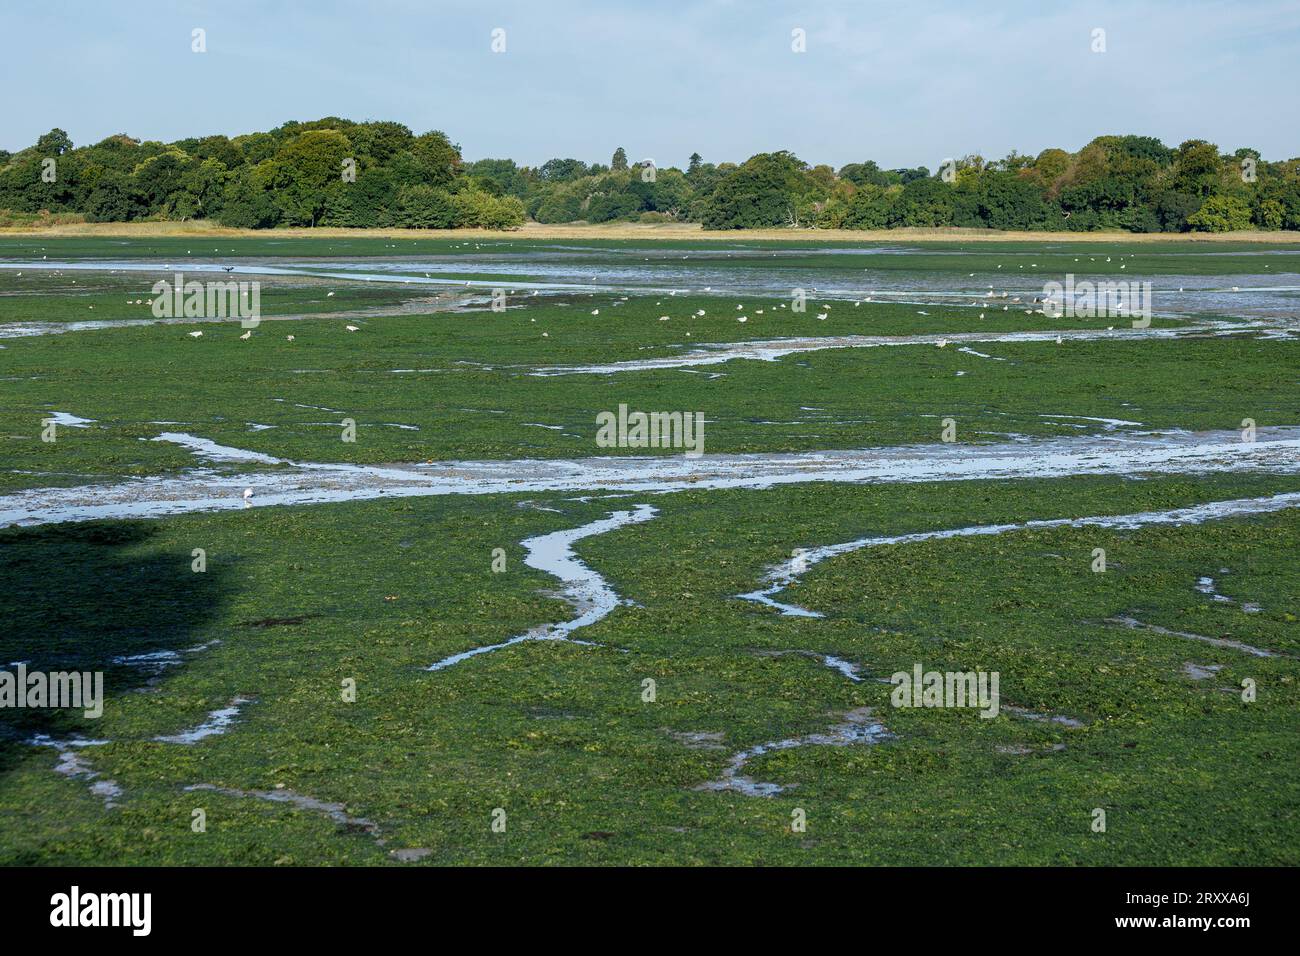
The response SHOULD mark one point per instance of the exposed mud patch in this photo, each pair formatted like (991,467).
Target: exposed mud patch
(838,664)
(1206,586)
(1276,450)
(584,588)
(279,621)
(1023,750)
(857,727)
(411,855)
(1134,624)
(335,811)
(1043,717)
(770,350)
(218,722)
(73,765)
(784,575)
(698,739)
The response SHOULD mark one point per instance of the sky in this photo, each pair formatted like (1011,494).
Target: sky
(905,84)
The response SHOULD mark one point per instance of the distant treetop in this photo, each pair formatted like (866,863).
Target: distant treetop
(336,172)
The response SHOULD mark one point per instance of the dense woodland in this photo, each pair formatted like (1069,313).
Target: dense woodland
(333,172)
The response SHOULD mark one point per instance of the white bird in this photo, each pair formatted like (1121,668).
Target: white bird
(941,343)
(247,335)
(1058,340)
(595,311)
(919,312)
(194,335)
(248,493)
(351,328)
(328,294)
(743,318)
(288,338)
(821,315)
(663,318)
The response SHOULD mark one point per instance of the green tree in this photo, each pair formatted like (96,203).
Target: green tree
(437,158)
(1221,214)
(769,189)
(54,143)
(302,169)
(865,174)
(1196,167)
(421,206)
(157,181)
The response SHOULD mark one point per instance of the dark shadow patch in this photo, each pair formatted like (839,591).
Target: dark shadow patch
(75,596)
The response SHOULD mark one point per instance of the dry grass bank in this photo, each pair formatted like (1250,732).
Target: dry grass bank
(676,230)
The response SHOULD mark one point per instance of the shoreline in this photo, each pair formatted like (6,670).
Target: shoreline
(639,231)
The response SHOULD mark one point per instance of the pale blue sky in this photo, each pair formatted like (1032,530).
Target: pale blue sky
(905,84)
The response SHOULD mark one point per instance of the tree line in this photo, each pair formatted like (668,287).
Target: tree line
(334,172)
